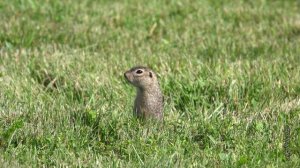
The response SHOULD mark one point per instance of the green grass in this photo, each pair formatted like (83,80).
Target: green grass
(229,70)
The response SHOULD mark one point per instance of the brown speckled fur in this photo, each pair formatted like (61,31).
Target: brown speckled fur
(149,99)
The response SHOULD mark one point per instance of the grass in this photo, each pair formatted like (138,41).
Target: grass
(229,70)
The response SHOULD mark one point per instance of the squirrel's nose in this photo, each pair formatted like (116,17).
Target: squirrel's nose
(125,75)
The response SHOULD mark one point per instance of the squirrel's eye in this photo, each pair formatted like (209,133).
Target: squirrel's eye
(139,71)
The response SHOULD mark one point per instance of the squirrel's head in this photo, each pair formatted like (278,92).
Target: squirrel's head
(141,77)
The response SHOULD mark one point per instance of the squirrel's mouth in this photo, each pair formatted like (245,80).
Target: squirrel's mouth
(126,75)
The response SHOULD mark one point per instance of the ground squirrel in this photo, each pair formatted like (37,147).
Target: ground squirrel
(149,99)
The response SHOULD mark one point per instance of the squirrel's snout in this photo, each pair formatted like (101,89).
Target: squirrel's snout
(126,75)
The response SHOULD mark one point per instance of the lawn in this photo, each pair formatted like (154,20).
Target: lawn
(229,71)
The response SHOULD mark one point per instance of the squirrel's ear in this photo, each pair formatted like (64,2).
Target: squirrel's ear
(150,74)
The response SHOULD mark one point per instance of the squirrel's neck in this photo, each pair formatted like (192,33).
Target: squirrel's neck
(154,89)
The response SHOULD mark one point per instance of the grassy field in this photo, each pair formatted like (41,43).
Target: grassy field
(229,70)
